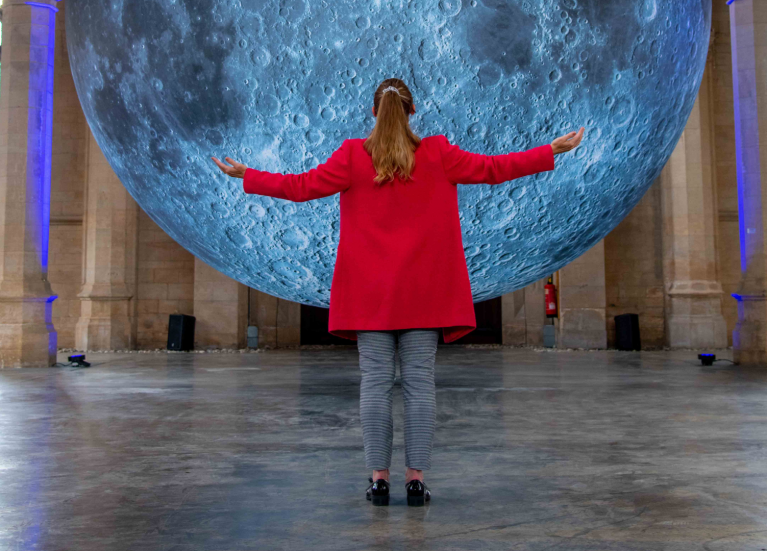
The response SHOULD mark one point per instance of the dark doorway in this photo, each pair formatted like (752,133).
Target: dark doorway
(314,325)
(489,324)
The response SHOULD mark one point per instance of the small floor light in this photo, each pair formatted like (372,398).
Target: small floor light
(78,360)
(707,359)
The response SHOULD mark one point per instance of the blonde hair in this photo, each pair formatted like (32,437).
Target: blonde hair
(392,143)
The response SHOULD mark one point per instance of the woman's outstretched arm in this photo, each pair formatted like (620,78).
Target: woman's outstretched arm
(463,167)
(325,179)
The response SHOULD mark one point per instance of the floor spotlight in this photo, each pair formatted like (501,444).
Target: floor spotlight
(78,360)
(707,359)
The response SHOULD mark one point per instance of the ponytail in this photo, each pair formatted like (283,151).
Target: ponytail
(392,143)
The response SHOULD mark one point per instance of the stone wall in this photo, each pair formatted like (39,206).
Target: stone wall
(634,270)
(165,283)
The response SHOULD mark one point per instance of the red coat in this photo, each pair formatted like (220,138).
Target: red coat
(400,261)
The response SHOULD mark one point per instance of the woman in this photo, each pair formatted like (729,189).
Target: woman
(400,275)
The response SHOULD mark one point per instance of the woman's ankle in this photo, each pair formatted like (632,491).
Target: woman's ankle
(381,474)
(413,474)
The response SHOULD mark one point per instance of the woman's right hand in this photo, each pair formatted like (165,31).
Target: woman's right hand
(567,142)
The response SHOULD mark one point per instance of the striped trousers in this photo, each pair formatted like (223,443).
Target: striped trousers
(417,349)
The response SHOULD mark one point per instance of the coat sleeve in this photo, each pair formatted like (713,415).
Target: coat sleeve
(463,167)
(325,179)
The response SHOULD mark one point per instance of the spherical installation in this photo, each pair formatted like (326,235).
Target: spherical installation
(278,86)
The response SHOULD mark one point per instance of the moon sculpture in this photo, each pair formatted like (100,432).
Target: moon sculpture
(278,85)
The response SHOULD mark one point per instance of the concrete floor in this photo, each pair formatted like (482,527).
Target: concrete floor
(534,450)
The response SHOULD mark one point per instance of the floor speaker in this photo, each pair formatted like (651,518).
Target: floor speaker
(627,332)
(181,332)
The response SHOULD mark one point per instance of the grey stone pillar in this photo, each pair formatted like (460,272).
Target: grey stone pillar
(27,336)
(748,33)
(513,318)
(107,317)
(278,320)
(523,315)
(693,293)
(582,301)
(535,312)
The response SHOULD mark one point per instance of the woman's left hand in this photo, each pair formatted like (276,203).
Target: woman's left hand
(237,170)
(567,142)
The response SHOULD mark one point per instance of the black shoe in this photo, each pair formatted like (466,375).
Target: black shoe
(378,491)
(417,492)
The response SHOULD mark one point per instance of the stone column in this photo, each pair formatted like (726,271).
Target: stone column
(582,301)
(535,312)
(748,35)
(110,241)
(693,293)
(513,318)
(220,309)
(27,336)
(278,320)
(524,315)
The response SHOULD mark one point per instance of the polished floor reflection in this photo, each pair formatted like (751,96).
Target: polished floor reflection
(534,450)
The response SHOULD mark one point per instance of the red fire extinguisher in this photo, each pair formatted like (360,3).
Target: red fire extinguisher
(550,295)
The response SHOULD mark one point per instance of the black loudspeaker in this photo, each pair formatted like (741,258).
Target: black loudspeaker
(181,332)
(627,332)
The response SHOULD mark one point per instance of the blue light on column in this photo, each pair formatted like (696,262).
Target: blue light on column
(40,136)
(743,217)
(41,5)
